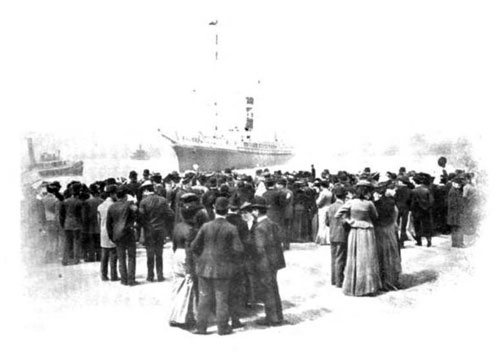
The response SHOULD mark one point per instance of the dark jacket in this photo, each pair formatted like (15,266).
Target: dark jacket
(156,215)
(120,221)
(277,202)
(403,194)
(182,238)
(217,245)
(455,207)
(70,215)
(89,215)
(421,199)
(244,234)
(268,250)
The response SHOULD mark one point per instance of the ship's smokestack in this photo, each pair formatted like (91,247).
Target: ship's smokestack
(249,108)
(31,152)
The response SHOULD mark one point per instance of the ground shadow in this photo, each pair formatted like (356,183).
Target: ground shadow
(408,281)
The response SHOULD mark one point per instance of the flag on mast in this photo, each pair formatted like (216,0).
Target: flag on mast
(213,23)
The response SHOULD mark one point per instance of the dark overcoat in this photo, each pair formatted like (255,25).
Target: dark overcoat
(268,250)
(455,207)
(217,244)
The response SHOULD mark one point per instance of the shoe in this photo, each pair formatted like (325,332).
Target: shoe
(104,278)
(419,243)
(160,279)
(226,331)
(237,324)
(265,322)
(115,279)
(123,283)
(429,244)
(133,283)
(150,279)
(200,332)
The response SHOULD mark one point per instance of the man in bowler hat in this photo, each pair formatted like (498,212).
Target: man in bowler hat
(217,245)
(120,227)
(269,258)
(157,220)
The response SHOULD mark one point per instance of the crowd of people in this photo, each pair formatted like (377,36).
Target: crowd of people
(229,231)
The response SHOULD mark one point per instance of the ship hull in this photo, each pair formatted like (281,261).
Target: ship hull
(218,159)
(75,169)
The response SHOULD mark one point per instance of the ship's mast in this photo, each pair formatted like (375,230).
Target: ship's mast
(214,25)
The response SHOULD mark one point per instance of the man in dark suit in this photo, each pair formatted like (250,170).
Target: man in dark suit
(217,245)
(338,237)
(269,259)
(240,278)
(402,197)
(91,224)
(157,219)
(70,218)
(120,227)
(421,202)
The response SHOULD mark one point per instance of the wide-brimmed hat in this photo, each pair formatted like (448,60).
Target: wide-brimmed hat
(147,183)
(246,206)
(221,204)
(189,197)
(259,202)
(365,183)
(234,202)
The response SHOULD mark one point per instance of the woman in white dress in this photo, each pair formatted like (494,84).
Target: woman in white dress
(323,202)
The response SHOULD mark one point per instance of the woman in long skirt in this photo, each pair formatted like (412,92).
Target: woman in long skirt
(184,290)
(323,202)
(362,272)
(385,232)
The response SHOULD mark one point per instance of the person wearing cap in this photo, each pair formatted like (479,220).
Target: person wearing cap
(362,271)
(338,232)
(217,246)
(70,218)
(269,258)
(120,223)
(91,225)
(455,217)
(421,201)
(157,220)
(108,248)
(385,232)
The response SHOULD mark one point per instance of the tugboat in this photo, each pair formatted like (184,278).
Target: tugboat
(140,154)
(51,165)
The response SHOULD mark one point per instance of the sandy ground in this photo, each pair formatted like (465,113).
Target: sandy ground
(70,311)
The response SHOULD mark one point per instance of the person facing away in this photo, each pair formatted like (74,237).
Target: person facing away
(269,258)
(157,219)
(217,245)
(421,202)
(120,227)
(70,218)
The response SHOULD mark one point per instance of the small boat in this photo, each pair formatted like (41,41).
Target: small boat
(140,154)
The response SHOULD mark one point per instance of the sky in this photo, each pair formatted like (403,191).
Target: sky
(375,71)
